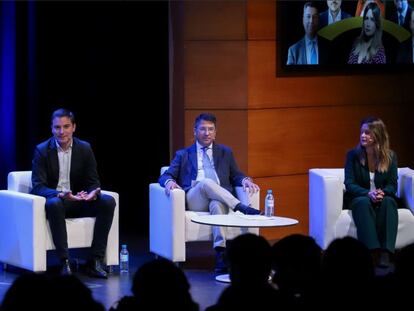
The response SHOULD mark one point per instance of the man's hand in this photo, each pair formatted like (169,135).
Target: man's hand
(67,195)
(170,186)
(250,186)
(92,196)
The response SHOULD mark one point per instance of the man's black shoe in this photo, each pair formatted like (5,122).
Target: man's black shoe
(247,210)
(221,261)
(65,269)
(384,260)
(94,269)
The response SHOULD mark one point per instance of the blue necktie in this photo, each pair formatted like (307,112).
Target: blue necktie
(401,19)
(313,58)
(209,171)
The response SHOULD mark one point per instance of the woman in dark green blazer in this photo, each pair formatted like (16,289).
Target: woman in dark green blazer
(371,183)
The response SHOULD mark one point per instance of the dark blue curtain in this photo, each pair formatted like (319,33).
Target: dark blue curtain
(7,90)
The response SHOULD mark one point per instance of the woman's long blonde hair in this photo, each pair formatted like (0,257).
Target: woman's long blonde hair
(376,41)
(382,148)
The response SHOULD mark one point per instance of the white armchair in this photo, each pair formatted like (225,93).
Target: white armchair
(327,219)
(171,226)
(24,230)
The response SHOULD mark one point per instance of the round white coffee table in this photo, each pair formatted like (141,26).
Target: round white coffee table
(240,220)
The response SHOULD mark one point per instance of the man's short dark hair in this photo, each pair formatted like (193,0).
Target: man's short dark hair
(205,117)
(62,112)
(310,4)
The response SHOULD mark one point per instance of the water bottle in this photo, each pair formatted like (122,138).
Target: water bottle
(269,204)
(124,259)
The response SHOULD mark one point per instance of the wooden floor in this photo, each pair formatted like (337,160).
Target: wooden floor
(198,268)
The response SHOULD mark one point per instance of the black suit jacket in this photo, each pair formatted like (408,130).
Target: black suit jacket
(357,178)
(45,168)
(405,52)
(183,168)
(394,17)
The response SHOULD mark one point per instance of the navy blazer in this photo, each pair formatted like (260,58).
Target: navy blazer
(183,168)
(357,178)
(45,168)
(405,52)
(394,17)
(297,52)
(324,17)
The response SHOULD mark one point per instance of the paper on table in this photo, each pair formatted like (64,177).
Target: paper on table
(252,217)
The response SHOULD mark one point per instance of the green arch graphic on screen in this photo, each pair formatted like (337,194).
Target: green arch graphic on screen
(331,31)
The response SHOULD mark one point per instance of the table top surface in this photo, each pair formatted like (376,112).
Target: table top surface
(241,220)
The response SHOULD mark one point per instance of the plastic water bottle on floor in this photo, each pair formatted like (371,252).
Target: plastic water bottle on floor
(124,259)
(269,204)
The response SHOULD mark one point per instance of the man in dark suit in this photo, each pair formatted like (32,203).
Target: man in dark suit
(208,172)
(64,172)
(333,14)
(311,49)
(402,13)
(406,51)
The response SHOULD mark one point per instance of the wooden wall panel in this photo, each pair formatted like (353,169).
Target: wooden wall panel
(290,141)
(231,131)
(261,23)
(291,200)
(215,20)
(216,75)
(266,90)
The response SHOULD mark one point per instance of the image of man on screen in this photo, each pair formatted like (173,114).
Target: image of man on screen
(401,13)
(308,50)
(406,50)
(333,14)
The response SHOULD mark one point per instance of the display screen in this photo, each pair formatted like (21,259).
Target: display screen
(349,36)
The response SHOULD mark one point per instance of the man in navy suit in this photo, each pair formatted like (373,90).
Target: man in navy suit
(311,49)
(406,51)
(208,172)
(333,14)
(64,172)
(402,13)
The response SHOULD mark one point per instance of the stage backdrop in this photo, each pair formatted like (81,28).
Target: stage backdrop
(278,127)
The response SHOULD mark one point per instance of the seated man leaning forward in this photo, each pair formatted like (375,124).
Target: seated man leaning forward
(208,172)
(64,172)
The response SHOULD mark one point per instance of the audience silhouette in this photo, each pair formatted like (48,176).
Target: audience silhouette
(159,285)
(249,259)
(348,270)
(303,277)
(297,265)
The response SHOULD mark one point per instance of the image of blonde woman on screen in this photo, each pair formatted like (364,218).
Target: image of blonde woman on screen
(368,47)
(362,4)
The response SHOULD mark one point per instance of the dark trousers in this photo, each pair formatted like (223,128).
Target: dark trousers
(376,223)
(102,208)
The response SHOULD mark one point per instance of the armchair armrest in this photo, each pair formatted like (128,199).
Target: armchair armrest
(247,198)
(23,230)
(326,191)
(406,187)
(167,223)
